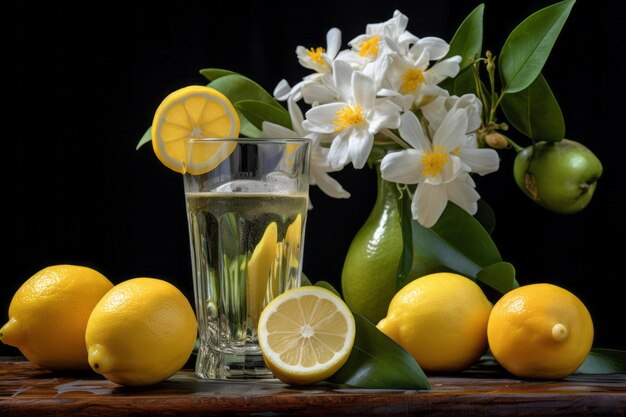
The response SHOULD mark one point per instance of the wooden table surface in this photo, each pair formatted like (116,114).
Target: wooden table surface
(26,390)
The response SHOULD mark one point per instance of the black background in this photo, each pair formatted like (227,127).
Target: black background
(88,78)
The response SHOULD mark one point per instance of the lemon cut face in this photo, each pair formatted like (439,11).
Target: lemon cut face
(194,112)
(306,334)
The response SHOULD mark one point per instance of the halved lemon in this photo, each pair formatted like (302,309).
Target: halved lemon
(306,334)
(191,113)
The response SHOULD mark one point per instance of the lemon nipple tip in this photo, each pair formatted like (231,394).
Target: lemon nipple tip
(559,332)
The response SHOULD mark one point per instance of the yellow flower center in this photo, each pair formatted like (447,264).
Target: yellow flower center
(316,55)
(411,79)
(433,162)
(370,47)
(348,116)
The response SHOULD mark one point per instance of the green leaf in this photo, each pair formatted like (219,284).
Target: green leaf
(239,88)
(215,73)
(376,361)
(248,129)
(486,216)
(304,281)
(147,137)
(499,276)
(457,241)
(468,39)
(257,112)
(535,112)
(527,48)
(327,285)
(604,361)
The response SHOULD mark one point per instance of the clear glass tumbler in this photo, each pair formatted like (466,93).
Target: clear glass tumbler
(246,207)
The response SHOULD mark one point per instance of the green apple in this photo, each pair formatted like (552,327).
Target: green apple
(560,176)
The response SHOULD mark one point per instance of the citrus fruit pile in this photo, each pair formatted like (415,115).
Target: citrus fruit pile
(446,323)
(49,312)
(441,320)
(141,332)
(68,317)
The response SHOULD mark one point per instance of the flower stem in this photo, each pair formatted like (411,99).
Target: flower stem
(514,145)
(395,138)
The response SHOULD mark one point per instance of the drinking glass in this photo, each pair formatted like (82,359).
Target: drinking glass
(246,205)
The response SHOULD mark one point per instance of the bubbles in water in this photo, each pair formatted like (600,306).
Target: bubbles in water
(275,182)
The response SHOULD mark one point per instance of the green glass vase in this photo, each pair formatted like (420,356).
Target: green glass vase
(369,275)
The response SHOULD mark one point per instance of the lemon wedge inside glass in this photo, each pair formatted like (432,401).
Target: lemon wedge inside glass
(194,112)
(260,270)
(306,334)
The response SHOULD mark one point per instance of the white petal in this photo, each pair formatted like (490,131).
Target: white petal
(296,116)
(342,73)
(356,42)
(451,169)
(461,193)
(305,60)
(272,130)
(451,133)
(405,39)
(473,106)
(363,91)
(385,114)
(481,160)
(333,42)
(377,70)
(328,184)
(422,60)
(282,90)
(428,203)
(444,69)
(401,20)
(435,112)
(411,131)
(360,145)
(338,155)
(405,102)
(318,93)
(433,90)
(404,166)
(320,119)
(437,48)
(351,58)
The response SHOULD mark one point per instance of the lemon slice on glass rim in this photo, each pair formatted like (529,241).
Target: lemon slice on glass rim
(306,334)
(194,112)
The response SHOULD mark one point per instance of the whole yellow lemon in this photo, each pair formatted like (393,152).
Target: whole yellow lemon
(48,316)
(441,320)
(540,331)
(141,332)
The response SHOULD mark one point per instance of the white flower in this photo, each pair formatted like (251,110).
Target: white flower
(318,59)
(413,79)
(319,161)
(435,167)
(479,160)
(354,119)
(379,39)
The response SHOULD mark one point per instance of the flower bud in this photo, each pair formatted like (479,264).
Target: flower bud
(496,141)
